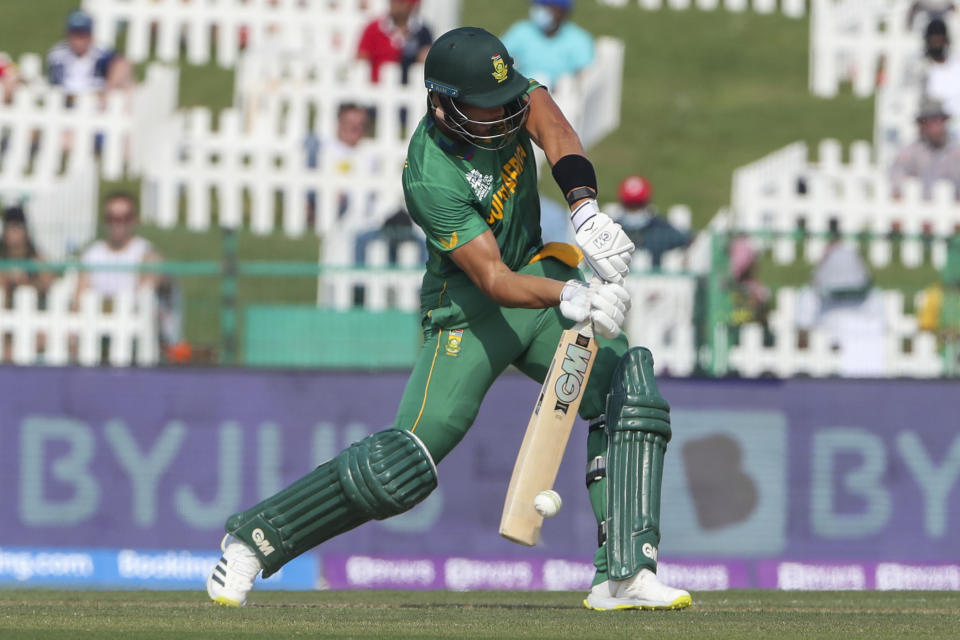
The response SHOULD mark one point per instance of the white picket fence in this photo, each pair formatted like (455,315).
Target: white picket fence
(230,166)
(660,319)
(786,188)
(61,210)
(292,95)
(853,40)
(47,134)
(384,286)
(790,8)
(126,328)
(50,159)
(332,27)
(258,147)
(287,87)
(43,129)
(843,345)
(591,99)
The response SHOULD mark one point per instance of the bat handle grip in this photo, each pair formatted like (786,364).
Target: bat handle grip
(584,327)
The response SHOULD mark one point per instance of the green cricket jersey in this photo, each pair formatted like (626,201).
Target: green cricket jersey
(455,191)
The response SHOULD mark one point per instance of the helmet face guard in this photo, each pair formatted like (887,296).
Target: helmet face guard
(497,134)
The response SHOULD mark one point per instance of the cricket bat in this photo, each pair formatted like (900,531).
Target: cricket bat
(547,433)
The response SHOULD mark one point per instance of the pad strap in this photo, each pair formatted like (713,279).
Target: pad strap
(383,475)
(596,470)
(597,424)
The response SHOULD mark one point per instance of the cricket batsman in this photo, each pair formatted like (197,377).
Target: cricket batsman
(493,295)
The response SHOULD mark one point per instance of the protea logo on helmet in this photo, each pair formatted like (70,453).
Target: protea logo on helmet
(500,69)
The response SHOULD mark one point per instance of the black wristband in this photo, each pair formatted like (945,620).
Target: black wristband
(580,193)
(576,178)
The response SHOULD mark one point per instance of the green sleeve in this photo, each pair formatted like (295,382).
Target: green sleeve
(448,218)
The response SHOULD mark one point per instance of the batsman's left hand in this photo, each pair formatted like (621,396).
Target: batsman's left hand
(606,247)
(605,303)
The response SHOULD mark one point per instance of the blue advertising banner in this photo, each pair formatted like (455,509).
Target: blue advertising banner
(133,569)
(799,473)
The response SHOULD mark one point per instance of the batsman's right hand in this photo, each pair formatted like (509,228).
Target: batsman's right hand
(605,245)
(605,303)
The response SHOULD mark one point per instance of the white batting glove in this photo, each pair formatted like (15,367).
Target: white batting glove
(605,303)
(604,243)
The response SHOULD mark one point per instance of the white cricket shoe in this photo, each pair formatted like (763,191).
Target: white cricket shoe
(641,591)
(232,578)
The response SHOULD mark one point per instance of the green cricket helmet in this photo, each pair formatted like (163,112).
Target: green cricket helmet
(470,66)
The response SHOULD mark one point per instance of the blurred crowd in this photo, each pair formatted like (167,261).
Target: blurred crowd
(547,45)
(935,153)
(841,298)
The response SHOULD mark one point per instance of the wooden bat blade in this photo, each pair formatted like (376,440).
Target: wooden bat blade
(547,433)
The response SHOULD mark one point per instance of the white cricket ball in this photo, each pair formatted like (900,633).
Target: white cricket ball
(547,503)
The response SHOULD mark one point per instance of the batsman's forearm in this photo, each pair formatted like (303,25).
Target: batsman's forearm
(520,290)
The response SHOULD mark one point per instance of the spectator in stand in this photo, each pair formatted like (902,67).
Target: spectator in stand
(79,66)
(397,229)
(934,156)
(644,225)
(939,310)
(9,78)
(842,302)
(548,44)
(342,153)
(16,244)
(399,36)
(928,10)
(942,75)
(121,247)
(749,298)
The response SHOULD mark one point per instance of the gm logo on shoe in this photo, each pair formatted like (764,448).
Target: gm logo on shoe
(262,543)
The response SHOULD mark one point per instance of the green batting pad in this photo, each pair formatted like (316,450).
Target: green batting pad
(638,429)
(634,474)
(383,475)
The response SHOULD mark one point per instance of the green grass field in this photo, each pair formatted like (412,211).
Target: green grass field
(502,615)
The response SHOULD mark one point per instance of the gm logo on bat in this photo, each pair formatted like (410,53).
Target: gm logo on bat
(574,368)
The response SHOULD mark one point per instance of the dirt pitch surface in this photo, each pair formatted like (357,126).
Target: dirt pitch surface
(393,614)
